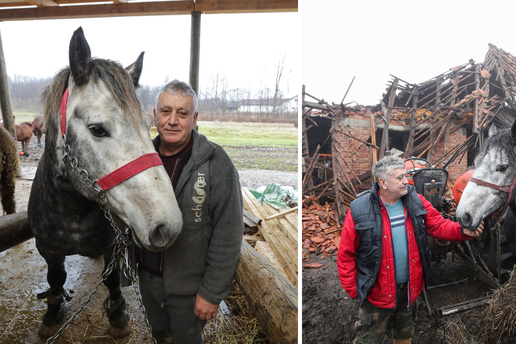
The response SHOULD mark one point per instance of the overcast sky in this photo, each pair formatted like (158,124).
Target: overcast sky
(413,40)
(243,48)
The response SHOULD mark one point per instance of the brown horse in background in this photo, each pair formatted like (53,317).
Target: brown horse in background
(37,128)
(8,169)
(23,134)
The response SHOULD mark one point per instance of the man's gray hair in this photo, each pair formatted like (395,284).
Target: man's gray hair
(178,88)
(383,167)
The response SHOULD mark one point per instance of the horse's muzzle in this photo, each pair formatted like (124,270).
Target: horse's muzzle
(162,237)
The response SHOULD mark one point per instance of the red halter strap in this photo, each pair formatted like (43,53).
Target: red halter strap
(122,173)
(508,188)
(128,170)
(62,111)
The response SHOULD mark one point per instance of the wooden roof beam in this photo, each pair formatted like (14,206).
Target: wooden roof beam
(96,11)
(245,6)
(122,8)
(42,3)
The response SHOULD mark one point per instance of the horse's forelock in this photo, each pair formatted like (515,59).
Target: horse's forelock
(114,76)
(119,83)
(502,141)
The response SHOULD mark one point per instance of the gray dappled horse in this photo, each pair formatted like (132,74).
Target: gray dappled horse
(490,190)
(105,129)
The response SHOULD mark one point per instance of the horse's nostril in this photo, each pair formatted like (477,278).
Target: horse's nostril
(466,219)
(160,236)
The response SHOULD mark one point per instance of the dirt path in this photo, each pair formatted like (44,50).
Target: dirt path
(329,313)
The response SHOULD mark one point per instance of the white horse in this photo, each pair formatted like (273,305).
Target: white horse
(490,190)
(97,148)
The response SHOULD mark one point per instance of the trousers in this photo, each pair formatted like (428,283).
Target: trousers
(373,323)
(170,315)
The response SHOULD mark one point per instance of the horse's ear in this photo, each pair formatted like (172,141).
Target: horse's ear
(135,69)
(80,57)
(513,131)
(492,130)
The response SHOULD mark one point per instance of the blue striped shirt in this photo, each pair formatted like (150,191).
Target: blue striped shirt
(399,240)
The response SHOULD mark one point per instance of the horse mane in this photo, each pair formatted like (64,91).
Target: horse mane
(503,141)
(115,77)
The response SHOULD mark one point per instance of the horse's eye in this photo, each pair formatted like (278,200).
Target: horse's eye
(98,131)
(502,168)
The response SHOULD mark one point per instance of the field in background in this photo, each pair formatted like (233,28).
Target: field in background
(266,146)
(251,145)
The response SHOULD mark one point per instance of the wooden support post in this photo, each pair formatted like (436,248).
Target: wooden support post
(271,296)
(5,94)
(387,114)
(195,50)
(436,120)
(374,151)
(336,174)
(410,144)
(5,101)
(477,101)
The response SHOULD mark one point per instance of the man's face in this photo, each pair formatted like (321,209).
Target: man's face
(396,184)
(174,120)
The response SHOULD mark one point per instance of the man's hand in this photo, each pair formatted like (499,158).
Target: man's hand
(474,233)
(204,309)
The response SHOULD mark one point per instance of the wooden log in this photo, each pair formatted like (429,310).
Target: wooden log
(271,296)
(14,229)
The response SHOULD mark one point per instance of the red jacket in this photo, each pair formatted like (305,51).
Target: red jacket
(383,294)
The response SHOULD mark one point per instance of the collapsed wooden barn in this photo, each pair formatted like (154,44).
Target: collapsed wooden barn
(443,120)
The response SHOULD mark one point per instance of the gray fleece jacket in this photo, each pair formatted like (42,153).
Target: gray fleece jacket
(205,255)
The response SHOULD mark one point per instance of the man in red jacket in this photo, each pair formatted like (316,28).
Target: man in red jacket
(383,258)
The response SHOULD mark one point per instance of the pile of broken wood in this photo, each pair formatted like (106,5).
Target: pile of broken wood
(321,234)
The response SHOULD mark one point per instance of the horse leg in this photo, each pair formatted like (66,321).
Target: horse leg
(25,144)
(114,305)
(56,277)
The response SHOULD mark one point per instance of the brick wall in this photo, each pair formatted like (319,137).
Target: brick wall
(357,155)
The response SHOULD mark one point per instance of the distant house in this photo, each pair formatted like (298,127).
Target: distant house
(267,105)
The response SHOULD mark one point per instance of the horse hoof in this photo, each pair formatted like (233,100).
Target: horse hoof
(117,332)
(45,331)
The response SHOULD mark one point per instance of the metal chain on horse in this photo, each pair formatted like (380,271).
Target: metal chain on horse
(120,250)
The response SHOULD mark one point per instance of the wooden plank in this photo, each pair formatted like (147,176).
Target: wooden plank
(252,216)
(279,242)
(282,213)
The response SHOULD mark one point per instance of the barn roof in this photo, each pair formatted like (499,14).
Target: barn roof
(66,9)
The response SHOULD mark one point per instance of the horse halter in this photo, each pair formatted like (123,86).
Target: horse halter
(508,188)
(122,173)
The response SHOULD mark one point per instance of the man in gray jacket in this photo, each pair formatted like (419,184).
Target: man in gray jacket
(183,286)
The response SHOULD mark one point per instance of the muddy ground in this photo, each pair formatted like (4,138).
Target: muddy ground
(23,275)
(328,313)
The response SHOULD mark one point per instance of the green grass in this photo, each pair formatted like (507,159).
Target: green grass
(23,116)
(243,134)
(247,143)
